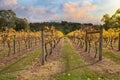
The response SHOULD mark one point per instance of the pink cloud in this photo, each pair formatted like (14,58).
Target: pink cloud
(78,12)
(9,2)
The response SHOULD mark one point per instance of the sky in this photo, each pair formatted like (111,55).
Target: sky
(83,11)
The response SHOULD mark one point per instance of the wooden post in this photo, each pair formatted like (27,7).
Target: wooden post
(29,40)
(51,43)
(43,45)
(14,43)
(19,45)
(51,47)
(86,43)
(100,43)
(74,37)
(3,41)
(95,49)
(46,52)
(119,42)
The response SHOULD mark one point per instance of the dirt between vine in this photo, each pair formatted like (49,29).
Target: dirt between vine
(106,66)
(9,59)
(45,72)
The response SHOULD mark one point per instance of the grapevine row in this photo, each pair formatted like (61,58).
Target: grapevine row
(51,39)
(89,37)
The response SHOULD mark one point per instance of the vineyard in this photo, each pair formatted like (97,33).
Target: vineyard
(42,54)
(31,50)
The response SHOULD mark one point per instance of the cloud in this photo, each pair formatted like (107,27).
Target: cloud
(8,2)
(78,12)
(74,11)
(70,11)
(4,4)
(33,14)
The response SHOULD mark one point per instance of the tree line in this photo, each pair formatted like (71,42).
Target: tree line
(63,26)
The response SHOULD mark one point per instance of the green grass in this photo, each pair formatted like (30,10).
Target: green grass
(112,56)
(75,68)
(10,71)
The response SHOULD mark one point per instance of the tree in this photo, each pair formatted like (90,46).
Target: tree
(7,18)
(111,21)
(106,21)
(21,24)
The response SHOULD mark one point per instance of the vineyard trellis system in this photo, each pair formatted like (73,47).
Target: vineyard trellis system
(50,38)
(16,43)
(100,41)
(13,42)
(84,36)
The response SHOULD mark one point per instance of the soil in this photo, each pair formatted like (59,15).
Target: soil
(44,72)
(106,66)
(8,59)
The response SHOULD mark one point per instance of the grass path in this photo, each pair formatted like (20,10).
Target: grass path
(75,68)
